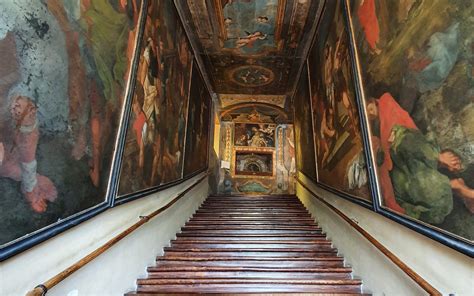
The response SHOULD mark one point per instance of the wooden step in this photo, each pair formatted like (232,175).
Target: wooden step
(251,242)
(255,287)
(311,262)
(247,275)
(248,244)
(250,227)
(250,223)
(261,236)
(246,294)
(251,219)
(251,245)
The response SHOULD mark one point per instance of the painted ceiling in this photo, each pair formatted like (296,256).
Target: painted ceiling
(251,47)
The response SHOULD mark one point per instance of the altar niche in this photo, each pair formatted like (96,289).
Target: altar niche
(257,152)
(254,163)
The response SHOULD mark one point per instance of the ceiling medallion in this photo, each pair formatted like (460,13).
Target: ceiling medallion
(251,76)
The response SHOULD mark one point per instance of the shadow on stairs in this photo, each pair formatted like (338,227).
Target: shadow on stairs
(252,245)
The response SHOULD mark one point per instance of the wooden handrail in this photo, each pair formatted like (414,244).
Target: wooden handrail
(42,289)
(399,263)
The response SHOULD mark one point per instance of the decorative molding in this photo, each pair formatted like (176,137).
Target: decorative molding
(231,99)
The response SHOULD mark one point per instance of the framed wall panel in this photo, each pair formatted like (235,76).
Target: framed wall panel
(340,157)
(416,90)
(64,84)
(303,129)
(199,125)
(154,148)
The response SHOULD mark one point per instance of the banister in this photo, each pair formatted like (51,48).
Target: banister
(43,288)
(419,280)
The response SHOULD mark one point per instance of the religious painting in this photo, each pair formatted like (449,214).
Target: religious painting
(154,148)
(286,162)
(234,75)
(254,135)
(251,46)
(303,129)
(64,71)
(254,163)
(249,26)
(338,141)
(197,132)
(416,64)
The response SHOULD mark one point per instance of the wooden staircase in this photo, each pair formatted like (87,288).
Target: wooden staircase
(251,245)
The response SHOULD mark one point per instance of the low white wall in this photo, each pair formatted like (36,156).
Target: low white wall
(115,271)
(447,270)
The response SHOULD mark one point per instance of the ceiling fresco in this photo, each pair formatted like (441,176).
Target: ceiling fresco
(251,47)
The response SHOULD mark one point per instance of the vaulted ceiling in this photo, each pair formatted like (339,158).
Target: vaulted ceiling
(252,50)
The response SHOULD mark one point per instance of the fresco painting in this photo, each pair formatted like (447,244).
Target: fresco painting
(256,150)
(254,163)
(197,133)
(63,75)
(252,46)
(303,129)
(254,135)
(417,61)
(249,25)
(338,140)
(154,149)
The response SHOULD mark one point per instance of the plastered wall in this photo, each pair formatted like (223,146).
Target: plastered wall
(447,270)
(115,271)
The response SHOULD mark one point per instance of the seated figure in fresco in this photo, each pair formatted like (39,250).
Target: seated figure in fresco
(18,159)
(258,139)
(409,172)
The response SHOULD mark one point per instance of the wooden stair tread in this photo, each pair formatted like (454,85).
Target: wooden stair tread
(251,242)
(246,294)
(154,269)
(250,245)
(249,281)
(249,287)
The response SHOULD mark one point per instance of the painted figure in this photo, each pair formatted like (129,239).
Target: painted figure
(369,23)
(408,171)
(18,160)
(250,39)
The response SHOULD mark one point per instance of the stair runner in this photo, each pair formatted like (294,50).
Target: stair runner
(251,245)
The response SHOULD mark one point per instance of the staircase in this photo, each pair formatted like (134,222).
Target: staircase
(245,244)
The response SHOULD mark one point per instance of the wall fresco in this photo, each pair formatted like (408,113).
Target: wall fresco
(338,141)
(63,73)
(155,140)
(197,132)
(254,135)
(303,129)
(257,152)
(416,61)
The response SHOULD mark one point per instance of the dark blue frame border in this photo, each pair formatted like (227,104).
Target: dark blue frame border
(29,240)
(432,232)
(357,200)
